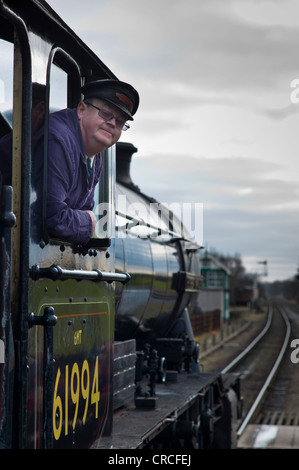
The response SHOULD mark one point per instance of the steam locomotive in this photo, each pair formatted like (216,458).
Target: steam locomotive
(98,348)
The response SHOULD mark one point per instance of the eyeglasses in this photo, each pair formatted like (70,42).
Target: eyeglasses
(108,116)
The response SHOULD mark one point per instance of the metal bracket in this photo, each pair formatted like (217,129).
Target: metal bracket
(48,320)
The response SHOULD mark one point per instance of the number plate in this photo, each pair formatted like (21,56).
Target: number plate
(82,357)
(81,375)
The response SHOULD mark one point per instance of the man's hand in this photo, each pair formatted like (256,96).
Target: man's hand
(93,220)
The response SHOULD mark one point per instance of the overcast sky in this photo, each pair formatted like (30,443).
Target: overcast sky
(216,122)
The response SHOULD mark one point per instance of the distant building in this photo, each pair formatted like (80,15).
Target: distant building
(215,287)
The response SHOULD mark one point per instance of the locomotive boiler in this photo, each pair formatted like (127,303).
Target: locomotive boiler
(161,258)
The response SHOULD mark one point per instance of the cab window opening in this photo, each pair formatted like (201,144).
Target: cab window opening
(62,86)
(62,98)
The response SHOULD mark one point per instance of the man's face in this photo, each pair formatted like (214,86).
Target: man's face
(97,133)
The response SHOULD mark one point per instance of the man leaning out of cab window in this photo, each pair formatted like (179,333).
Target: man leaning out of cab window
(76,139)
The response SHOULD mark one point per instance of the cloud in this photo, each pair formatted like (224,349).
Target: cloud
(280,113)
(227,182)
(246,210)
(209,44)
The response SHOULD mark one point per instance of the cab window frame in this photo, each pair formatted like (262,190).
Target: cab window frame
(67,64)
(103,190)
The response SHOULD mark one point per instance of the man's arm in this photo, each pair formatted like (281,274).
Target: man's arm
(93,221)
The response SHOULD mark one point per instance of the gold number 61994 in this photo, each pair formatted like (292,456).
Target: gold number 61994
(78,387)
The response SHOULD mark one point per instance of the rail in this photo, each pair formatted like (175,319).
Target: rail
(237,359)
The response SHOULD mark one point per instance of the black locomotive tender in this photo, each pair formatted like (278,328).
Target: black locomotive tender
(98,345)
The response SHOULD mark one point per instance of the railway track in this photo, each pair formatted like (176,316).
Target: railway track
(259,363)
(269,381)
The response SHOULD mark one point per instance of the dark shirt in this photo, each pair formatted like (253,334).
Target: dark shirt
(69,192)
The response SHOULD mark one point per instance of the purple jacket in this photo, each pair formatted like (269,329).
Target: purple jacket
(70,193)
